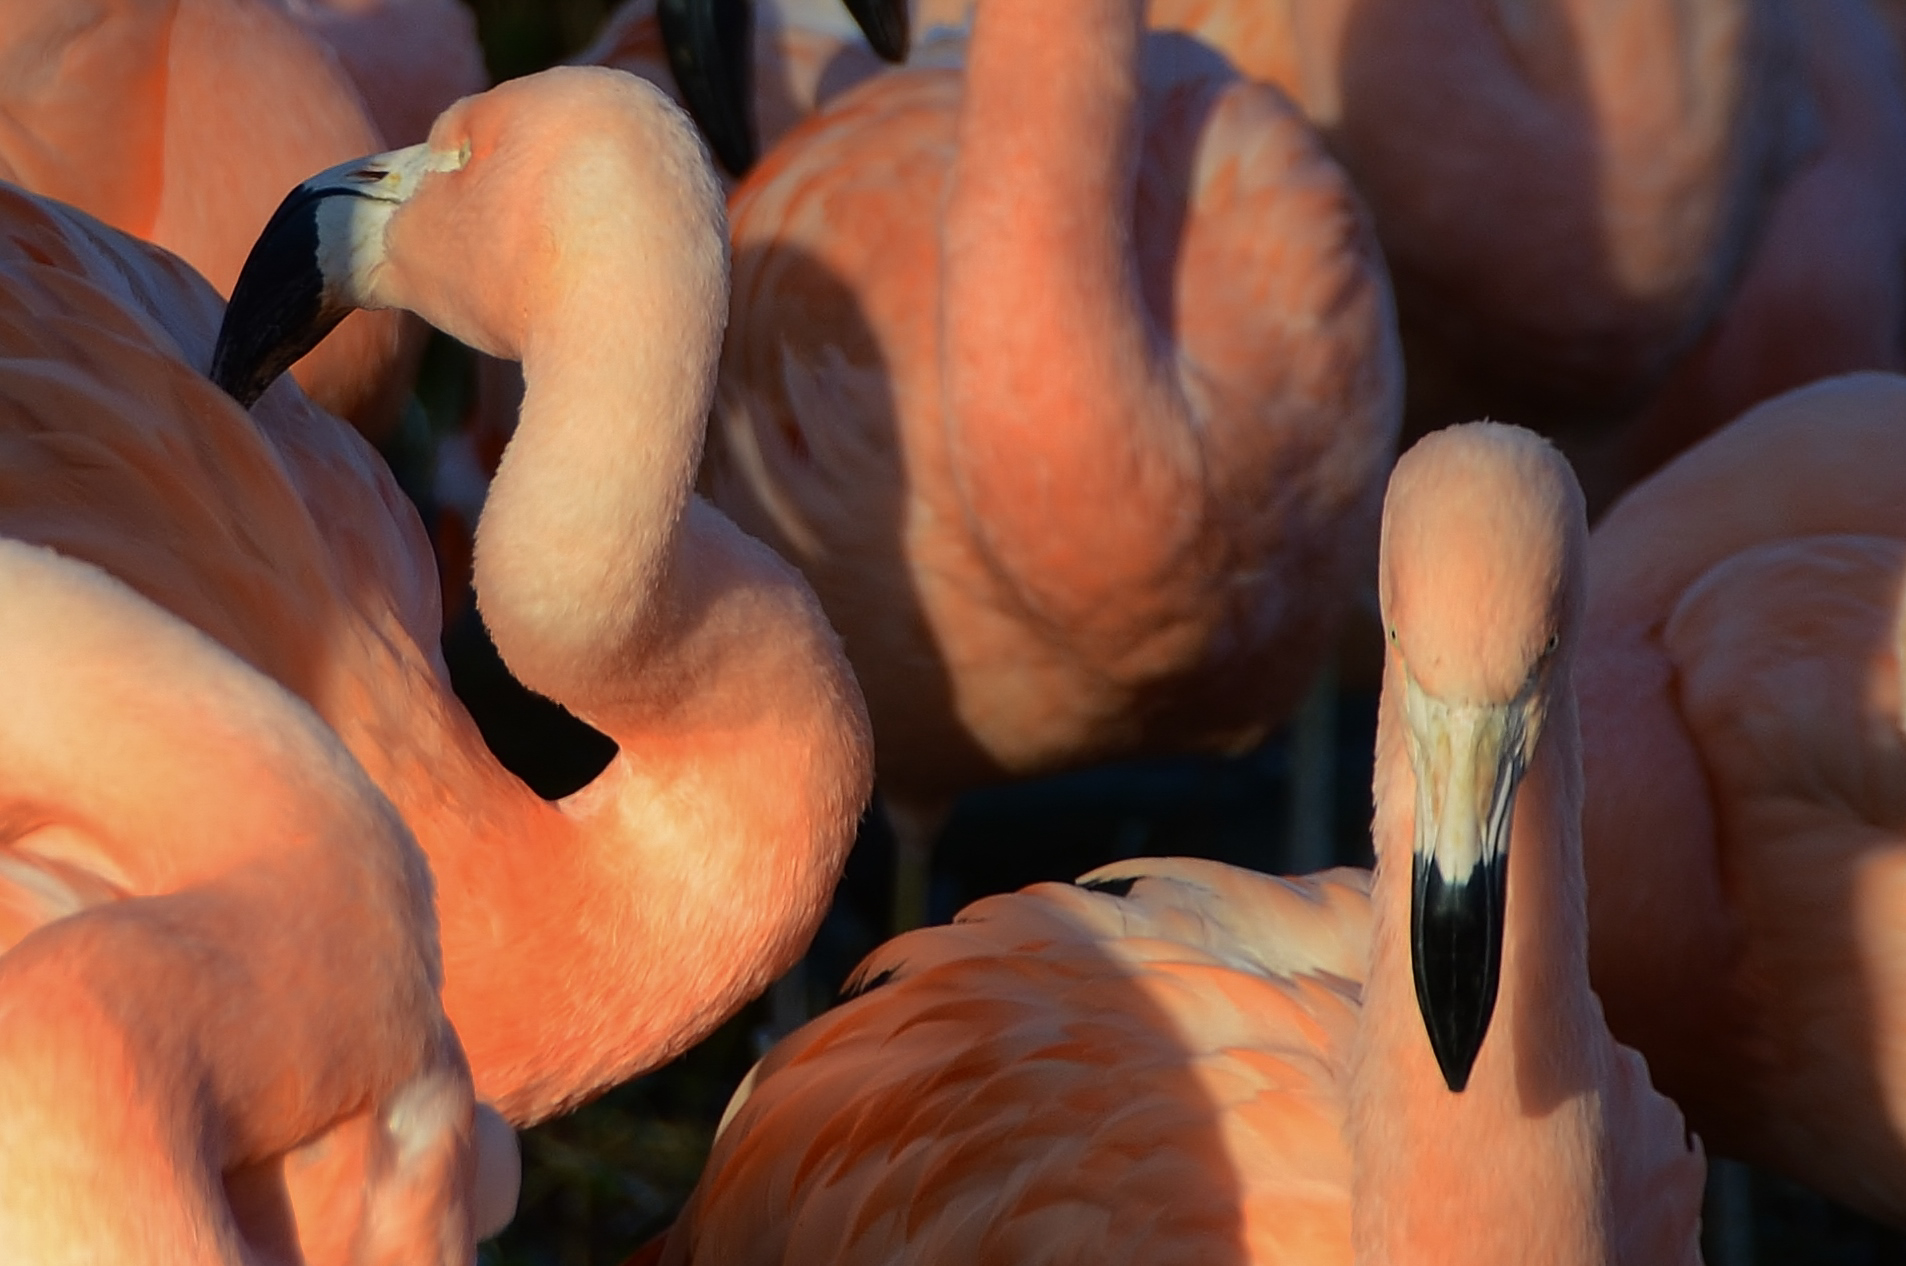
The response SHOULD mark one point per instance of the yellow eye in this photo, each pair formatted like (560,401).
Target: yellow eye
(1393,635)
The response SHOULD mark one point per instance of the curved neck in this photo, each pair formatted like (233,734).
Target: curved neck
(1435,1168)
(588,940)
(1067,428)
(576,547)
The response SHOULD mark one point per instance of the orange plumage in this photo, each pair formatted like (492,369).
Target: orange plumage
(184,121)
(1200,1064)
(1069,390)
(1747,785)
(743,766)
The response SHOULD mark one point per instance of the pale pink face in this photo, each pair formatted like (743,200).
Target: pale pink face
(521,196)
(1481,583)
(1482,531)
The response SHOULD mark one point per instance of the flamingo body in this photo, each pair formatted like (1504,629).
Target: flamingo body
(1746,769)
(153,98)
(1612,159)
(1177,1061)
(283,536)
(1824,291)
(933,404)
(179,1010)
(1018,1087)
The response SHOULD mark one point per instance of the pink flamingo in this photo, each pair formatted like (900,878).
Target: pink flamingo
(1741,704)
(1567,191)
(137,111)
(1176,1061)
(582,941)
(1071,395)
(585,940)
(1825,289)
(230,1011)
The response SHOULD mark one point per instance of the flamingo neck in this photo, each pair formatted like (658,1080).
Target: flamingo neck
(1512,1168)
(576,550)
(1060,399)
(606,934)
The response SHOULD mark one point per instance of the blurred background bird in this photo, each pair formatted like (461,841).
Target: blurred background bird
(1746,820)
(1566,193)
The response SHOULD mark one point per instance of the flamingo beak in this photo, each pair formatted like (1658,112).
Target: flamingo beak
(313,264)
(884,23)
(1469,760)
(710,46)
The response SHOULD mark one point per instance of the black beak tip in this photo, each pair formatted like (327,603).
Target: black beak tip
(1456,1059)
(277,311)
(1456,951)
(884,23)
(230,374)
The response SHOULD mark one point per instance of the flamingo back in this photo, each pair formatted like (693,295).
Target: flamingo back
(1194,1026)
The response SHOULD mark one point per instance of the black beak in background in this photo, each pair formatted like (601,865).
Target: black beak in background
(884,23)
(710,46)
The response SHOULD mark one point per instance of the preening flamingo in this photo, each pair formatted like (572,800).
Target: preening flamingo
(1071,395)
(1177,1061)
(1741,709)
(184,121)
(220,1035)
(586,940)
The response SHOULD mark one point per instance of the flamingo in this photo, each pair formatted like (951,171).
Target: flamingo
(408,59)
(225,1002)
(1741,688)
(133,111)
(1178,1061)
(1825,290)
(1565,190)
(588,939)
(1071,396)
(582,941)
